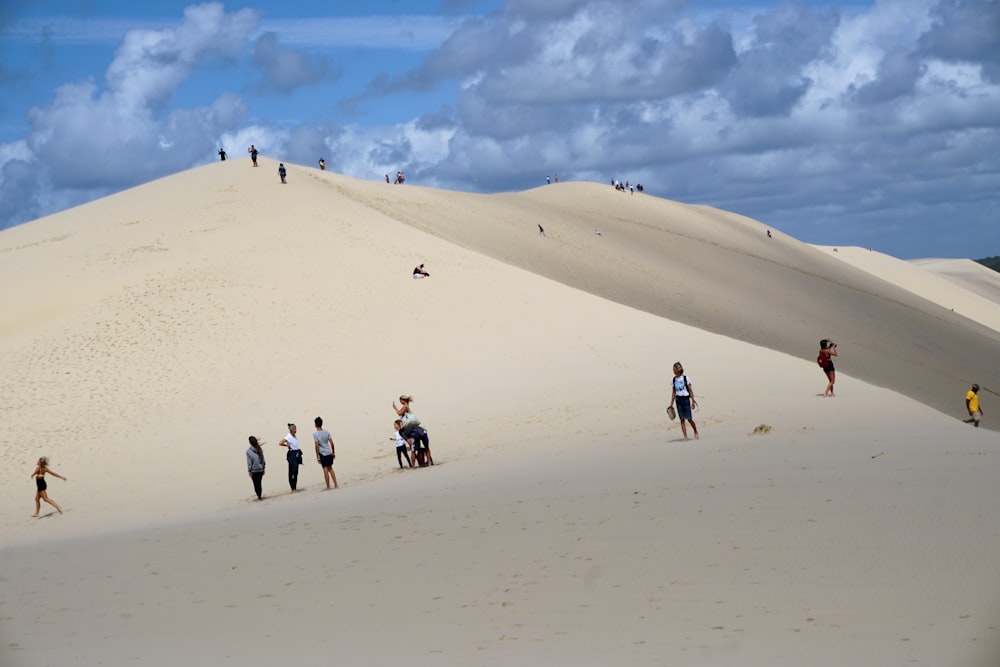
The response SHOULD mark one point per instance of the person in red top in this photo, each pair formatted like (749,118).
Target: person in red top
(827,349)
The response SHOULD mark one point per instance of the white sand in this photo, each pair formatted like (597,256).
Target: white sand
(147,334)
(949,283)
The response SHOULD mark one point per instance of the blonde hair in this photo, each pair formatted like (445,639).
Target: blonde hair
(405,399)
(678,367)
(43,461)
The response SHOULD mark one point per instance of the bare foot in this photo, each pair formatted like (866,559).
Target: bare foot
(695,436)
(34,516)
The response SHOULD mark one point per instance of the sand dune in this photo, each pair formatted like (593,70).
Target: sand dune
(971,275)
(958,296)
(148,333)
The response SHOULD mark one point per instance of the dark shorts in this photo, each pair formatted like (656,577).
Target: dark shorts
(326,460)
(40,483)
(683,407)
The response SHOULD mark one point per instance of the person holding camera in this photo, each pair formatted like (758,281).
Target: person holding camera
(827,349)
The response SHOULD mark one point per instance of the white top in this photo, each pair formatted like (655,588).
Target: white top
(680,385)
(400,440)
(293,442)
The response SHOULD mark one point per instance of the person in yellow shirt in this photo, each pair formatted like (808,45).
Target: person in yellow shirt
(972,405)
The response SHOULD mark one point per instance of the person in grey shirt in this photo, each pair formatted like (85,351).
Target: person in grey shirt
(324,452)
(255,466)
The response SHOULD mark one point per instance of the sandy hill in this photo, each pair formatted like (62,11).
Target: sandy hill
(147,334)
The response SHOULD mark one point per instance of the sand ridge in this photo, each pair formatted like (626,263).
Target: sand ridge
(150,332)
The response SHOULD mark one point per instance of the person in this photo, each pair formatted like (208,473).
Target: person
(972,405)
(41,469)
(387,178)
(293,456)
(222,155)
(419,272)
(548,180)
(324,452)
(253,154)
(401,445)
(769,233)
(827,349)
(682,393)
(541,230)
(414,434)
(322,164)
(255,466)
(281,171)
(420,442)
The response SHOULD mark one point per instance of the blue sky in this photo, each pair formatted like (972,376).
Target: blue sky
(871,123)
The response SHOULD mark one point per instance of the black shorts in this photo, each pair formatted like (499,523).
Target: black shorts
(326,460)
(40,483)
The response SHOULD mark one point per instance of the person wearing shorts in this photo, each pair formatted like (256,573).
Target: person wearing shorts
(972,405)
(324,452)
(41,488)
(682,394)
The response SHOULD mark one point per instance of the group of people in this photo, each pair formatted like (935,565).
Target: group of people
(410,439)
(325,454)
(626,186)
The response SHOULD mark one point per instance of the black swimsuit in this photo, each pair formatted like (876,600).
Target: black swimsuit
(40,483)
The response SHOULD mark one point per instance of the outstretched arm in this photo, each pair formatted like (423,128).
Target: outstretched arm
(55,474)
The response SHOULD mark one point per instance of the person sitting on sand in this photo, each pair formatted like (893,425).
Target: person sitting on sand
(827,349)
(41,494)
(683,394)
(972,405)
(419,272)
(255,466)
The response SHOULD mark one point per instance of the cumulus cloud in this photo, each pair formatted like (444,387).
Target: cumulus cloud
(967,31)
(827,123)
(769,78)
(92,140)
(285,70)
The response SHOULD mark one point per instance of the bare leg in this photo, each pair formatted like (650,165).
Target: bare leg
(695,428)
(684,429)
(333,476)
(38,504)
(46,498)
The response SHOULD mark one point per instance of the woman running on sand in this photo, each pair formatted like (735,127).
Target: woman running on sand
(40,470)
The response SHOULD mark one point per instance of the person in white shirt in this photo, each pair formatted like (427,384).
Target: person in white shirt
(401,448)
(293,456)
(683,394)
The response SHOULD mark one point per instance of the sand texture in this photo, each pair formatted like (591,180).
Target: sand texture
(147,334)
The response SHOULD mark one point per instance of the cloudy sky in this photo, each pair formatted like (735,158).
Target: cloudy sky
(861,122)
